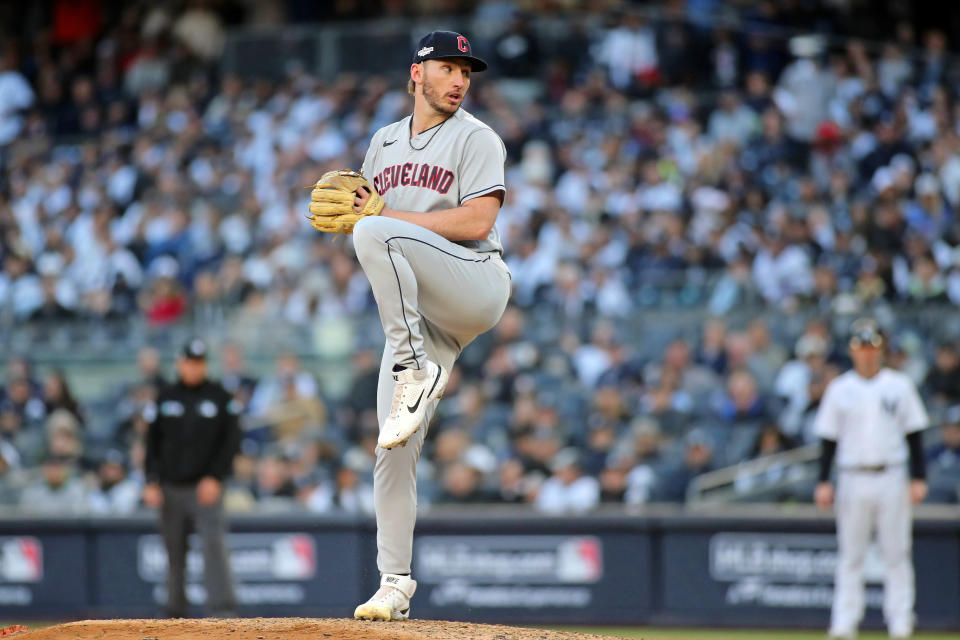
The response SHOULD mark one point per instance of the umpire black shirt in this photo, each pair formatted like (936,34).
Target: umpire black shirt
(193,432)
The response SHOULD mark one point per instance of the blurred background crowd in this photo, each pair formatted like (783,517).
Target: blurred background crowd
(700,196)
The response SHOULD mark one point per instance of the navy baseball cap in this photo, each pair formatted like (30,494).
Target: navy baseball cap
(194,349)
(447,44)
(866,332)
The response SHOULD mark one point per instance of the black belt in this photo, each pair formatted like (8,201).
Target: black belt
(871,468)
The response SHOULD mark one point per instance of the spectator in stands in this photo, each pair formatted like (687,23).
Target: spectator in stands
(239,490)
(234,375)
(782,270)
(512,485)
(19,446)
(711,352)
(462,483)
(50,309)
(365,370)
(12,479)
(929,214)
(643,448)
(20,367)
(629,50)
(677,366)
(793,380)
(804,90)
(943,461)
(674,481)
(733,121)
(613,479)
(63,436)
(24,402)
(769,441)
(568,489)
(164,303)
(942,384)
(114,493)
(766,355)
(741,414)
(271,390)
(353,492)
(16,96)
(518,60)
(58,491)
(149,367)
(57,395)
(293,416)
(274,487)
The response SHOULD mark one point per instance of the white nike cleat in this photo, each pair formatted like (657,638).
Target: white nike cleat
(413,391)
(391,601)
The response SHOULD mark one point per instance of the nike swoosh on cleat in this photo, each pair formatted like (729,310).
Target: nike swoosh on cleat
(387,144)
(435,381)
(416,404)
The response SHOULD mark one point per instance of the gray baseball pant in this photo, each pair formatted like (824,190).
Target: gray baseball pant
(434,298)
(179,516)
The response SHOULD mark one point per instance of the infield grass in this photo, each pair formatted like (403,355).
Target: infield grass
(737,634)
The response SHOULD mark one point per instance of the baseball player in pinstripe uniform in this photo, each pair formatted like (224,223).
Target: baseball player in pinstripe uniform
(870,419)
(433,258)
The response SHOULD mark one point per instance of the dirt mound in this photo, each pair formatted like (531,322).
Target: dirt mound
(288,629)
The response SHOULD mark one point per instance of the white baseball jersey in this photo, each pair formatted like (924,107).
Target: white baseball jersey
(440,168)
(869,418)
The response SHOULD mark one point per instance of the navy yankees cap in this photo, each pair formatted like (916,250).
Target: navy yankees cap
(447,44)
(866,332)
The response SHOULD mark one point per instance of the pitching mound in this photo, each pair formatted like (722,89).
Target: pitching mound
(288,629)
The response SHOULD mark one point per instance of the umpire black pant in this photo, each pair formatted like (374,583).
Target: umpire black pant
(180,515)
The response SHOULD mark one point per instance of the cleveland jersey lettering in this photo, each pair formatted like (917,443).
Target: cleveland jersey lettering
(440,168)
(413,175)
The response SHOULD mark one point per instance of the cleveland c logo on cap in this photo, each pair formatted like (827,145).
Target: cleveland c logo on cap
(462,44)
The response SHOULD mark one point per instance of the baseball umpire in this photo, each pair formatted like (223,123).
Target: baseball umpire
(870,419)
(192,437)
(424,234)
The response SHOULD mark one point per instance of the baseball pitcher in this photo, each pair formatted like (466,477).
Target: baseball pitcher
(422,213)
(870,419)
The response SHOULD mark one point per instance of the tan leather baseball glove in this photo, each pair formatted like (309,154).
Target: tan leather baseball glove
(331,201)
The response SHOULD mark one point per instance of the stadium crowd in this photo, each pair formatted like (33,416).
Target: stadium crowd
(782,174)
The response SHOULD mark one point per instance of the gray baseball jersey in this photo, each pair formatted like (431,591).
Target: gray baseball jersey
(440,168)
(434,296)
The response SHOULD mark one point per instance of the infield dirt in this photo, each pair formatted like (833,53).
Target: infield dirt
(288,629)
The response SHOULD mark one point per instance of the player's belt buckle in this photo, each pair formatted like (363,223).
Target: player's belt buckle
(870,468)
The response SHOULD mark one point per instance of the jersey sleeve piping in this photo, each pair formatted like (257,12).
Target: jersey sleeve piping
(482,192)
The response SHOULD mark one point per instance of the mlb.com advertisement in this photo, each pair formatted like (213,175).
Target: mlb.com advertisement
(268,568)
(785,570)
(515,571)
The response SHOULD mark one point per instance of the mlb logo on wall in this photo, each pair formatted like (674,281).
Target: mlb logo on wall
(294,558)
(21,560)
(579,560)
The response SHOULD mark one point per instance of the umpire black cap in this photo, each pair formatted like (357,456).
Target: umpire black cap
(194,349)
(866,332)
(447,44)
